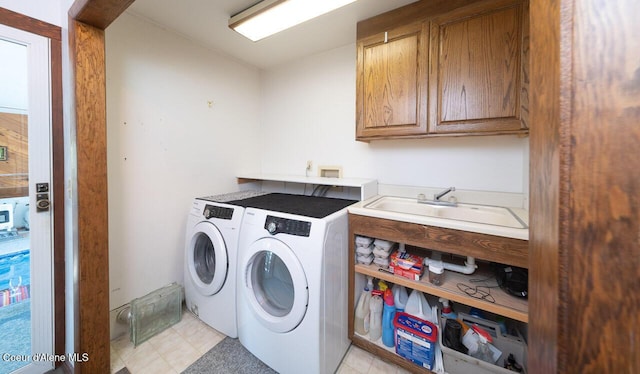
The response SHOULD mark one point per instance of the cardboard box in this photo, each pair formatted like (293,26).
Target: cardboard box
(416,339)
(406,265)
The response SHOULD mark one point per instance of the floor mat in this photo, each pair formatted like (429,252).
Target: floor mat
(228,357)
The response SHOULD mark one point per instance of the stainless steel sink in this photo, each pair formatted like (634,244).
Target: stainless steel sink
(489,215)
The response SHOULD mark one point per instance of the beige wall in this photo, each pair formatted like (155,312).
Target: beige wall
(181,120)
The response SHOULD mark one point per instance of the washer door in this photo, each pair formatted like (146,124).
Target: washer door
(275,285)
(207,258)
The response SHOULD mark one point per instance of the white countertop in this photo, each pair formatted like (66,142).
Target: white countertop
(509,232)
(368,187)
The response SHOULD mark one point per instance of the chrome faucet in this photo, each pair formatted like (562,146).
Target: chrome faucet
(436,198)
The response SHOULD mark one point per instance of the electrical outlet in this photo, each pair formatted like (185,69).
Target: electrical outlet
(309,165)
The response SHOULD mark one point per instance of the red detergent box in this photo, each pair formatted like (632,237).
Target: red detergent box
(416,339)
(406,265)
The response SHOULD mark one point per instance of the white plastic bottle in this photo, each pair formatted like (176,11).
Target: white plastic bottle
(361,323)
(446,309)
(400,297)
(375,326)
(418,306)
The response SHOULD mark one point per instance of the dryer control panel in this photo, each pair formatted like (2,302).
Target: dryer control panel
(213,211)
(277,225)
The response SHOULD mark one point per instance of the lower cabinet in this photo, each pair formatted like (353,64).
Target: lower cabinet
(462,290)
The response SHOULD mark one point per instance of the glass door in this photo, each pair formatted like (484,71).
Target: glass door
(26,301)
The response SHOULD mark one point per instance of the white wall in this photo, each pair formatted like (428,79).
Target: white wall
(166,145)
(308,113)
(49,11)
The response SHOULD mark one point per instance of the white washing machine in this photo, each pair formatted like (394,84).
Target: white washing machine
(292,282)
(211,248)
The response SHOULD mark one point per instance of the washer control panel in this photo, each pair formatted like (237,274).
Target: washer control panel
(279,225)
(213,211)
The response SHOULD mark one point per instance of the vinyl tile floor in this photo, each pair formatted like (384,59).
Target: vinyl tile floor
(173,350)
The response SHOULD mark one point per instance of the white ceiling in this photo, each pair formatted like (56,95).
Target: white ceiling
(206,22)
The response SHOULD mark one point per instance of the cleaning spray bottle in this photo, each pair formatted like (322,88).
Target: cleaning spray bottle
(361,323)
(388,313)
(446,309)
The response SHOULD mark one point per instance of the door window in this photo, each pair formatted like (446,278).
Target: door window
(26,266)
(204,258)
(272,284)
(275,284)
(207,259)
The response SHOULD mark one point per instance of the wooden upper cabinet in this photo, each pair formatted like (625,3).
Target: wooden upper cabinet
(392,82)
(478,69)
(443,72)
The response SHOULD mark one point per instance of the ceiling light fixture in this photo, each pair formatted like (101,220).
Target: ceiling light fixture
(272,16)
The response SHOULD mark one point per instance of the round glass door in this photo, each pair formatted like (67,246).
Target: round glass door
(276,285)
(207,259)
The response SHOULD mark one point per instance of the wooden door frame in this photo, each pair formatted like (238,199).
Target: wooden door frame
(585,177)
(88,20)
(54,34)
(561,192)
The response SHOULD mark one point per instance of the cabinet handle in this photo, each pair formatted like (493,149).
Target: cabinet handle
(385,37)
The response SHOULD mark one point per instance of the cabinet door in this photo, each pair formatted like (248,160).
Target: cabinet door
(478,69)
(391,97)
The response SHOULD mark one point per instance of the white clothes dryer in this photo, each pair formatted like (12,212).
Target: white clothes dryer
(292,282)
(213,226)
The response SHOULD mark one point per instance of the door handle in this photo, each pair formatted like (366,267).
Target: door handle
(42,202)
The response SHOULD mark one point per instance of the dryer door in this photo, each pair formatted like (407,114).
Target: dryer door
(275,285)
(207,258)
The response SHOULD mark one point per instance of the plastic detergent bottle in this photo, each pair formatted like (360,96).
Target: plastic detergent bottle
(418,306)
(388,313)
(375,326)
(400,297)
(361,323)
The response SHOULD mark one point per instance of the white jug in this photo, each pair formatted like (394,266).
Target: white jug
(418,306)
(400,297)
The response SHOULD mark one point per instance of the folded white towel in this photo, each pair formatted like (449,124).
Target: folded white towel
(384,244)
(384,262)
(382,253)
(364,250)
(363,241)
(362,259)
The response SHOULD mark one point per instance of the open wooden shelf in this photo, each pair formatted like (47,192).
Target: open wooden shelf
(386,353)
(505,304)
